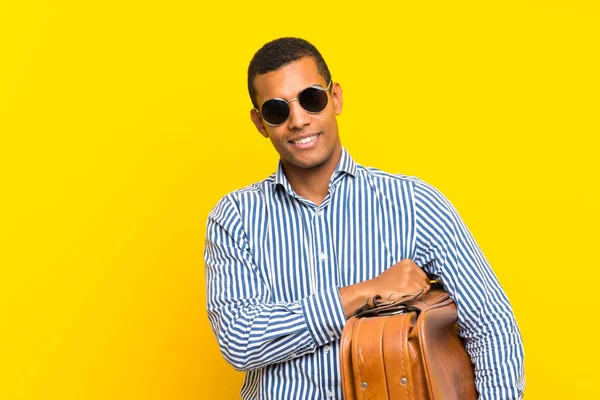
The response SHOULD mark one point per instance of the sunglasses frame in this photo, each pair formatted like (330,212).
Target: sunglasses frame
(295,99)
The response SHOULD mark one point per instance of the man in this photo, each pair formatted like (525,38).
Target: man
(290,258)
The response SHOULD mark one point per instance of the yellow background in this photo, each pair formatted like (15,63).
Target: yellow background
(123,122)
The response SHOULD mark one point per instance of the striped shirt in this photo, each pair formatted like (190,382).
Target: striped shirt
(275,261)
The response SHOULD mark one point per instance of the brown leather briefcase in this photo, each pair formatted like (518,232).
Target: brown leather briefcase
(406,350)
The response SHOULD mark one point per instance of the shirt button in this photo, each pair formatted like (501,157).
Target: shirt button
(318,213)
(329,393)
(327,348)
(331,334)
(322,256)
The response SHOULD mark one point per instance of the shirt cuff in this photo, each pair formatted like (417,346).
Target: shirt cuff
(324,315)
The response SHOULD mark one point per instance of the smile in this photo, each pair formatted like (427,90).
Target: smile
(305,140)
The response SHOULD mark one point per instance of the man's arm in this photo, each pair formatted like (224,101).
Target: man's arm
(446,249)
(251,329)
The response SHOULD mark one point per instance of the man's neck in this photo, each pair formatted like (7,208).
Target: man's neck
(313,183)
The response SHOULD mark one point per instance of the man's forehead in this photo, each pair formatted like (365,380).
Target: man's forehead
(288,80)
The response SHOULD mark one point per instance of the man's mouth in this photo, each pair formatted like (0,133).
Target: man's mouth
(305,140)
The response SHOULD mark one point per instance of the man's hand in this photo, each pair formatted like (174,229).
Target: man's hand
(399,280)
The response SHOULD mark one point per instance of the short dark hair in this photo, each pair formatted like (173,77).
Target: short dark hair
(279,53)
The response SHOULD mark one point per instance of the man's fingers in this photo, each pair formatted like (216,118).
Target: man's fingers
(414,266)
(421,272)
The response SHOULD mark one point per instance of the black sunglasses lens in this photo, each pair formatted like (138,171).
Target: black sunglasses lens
(275,111)
(313,100)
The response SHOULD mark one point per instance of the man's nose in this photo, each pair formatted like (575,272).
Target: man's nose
(299,117)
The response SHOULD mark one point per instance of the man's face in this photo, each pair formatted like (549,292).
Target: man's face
(304,140)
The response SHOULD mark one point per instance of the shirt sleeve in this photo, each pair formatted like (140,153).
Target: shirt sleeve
(252,330)
(446,249)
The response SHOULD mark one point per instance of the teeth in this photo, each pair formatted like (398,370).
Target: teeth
(306,140)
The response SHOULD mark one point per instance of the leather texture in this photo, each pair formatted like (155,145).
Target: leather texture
(406,350)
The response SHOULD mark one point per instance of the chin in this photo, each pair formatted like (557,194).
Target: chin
(308,159)
(312,163)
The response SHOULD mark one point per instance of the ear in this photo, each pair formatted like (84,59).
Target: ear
(258,122)
(336,96)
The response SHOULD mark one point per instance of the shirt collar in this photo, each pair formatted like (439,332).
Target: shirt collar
(346,165)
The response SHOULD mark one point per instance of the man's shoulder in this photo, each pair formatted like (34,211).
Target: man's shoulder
(247,193)
(378,174)
(256,187)
(414,184)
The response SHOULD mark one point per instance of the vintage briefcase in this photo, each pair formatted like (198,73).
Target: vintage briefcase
(406,350)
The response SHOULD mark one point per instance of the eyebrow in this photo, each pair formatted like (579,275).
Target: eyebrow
(301,90)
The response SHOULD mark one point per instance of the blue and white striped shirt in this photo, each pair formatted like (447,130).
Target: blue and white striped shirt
(275,262)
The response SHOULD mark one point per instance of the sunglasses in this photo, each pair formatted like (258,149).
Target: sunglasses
(313,99)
